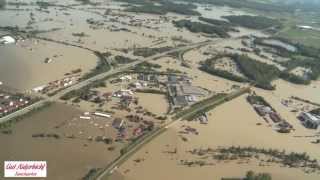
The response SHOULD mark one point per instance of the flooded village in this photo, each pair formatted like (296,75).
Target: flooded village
(123,90)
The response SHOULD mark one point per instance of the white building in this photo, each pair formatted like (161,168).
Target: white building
(309,120)
(305,27)
(7,40)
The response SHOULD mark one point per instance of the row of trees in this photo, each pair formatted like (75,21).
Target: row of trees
(261,73)
(256,5)
(163,7)
(226,26)
(198,27)
(253,22)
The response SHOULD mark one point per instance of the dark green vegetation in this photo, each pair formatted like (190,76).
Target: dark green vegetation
(102,66)
(82,34)
(253,22)
(208,66)
(222,73)
(217,22)
(151,91)
(261,74)
(250,175)
(122,60)
(146,66)
(304,56)
(292,159)
(197,27)
(254,99)
(146,52)
(277,6)
(310,63)
(296,160)
(3,3)
(92,172)
(164,7)
(86,89)
(260,176)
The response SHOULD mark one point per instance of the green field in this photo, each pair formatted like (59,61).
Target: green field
(305,37)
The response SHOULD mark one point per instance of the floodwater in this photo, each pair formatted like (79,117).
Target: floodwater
(23,66)
(66,158)
(154,103)
(224,129)
(286,89)
(217,12)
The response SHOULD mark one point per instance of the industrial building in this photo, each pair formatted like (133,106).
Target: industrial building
(309,120)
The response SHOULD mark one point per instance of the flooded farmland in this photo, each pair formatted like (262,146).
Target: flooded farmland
(116,76)
(224,129)
(23,66)
(67,158)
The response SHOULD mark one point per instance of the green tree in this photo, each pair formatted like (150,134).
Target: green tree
(3,3)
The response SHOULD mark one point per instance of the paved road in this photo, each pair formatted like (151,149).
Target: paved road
(22,111)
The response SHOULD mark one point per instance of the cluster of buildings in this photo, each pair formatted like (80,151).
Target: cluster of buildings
(182,93)
(283,125)
(266,111)
(65,82)
(310,120)
(12,103)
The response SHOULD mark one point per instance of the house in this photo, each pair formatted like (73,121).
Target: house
(262,110)
(309,120)
(118,123)
(275,117)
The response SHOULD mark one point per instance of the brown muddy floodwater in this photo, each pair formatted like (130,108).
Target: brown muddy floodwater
(67,159)
(23,66)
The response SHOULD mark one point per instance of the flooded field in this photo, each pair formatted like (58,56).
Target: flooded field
(56,39)
(23,66)
(199,78)
(67,158)
(286,89)
(154,103)
(238,128)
